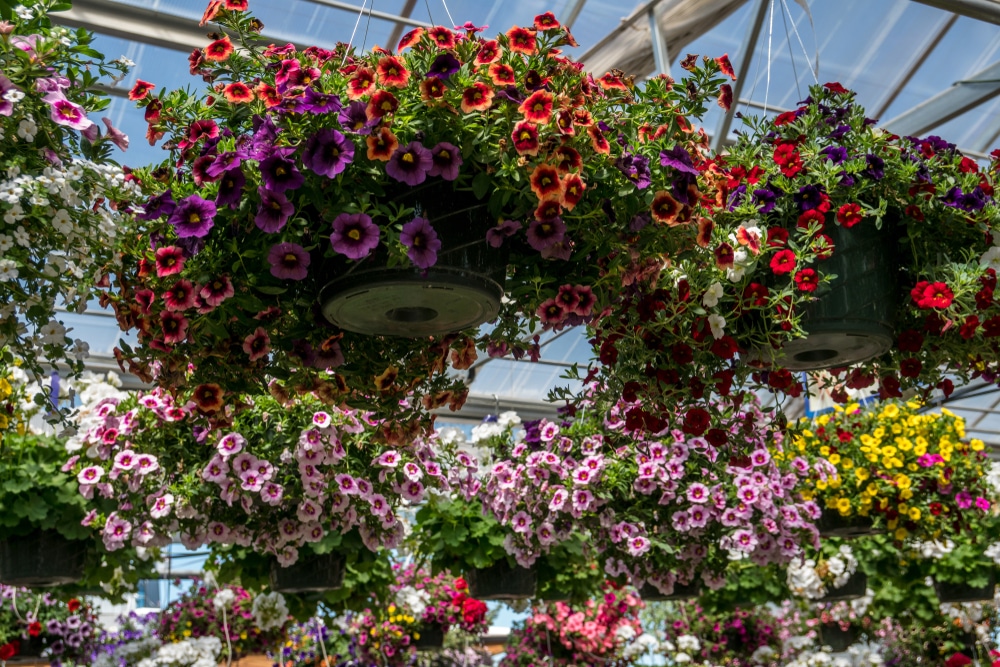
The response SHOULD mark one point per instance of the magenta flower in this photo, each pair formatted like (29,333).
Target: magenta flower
(446,160)
(963,499)
(354,235)
(274,211)
(193,217)
(410,164)
(327,153)
(64,112)
(117,137)
(421,241)
(289,261)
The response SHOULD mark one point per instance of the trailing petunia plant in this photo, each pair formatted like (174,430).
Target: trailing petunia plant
(299,171)
(61,191)
(42,625)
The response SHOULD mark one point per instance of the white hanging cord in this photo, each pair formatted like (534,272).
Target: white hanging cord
(445,3)
(322,641)
(350,42)
(815,66)
(770,34)
(229,644)
(791,55)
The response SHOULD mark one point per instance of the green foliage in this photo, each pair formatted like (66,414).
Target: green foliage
(455,534)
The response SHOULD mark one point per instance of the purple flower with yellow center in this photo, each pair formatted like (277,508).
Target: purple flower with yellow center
(765,198)
(678,158)
(808,197)
(354,119)
(274,211)
(280,173)
(327,152)
(354,235)
(193,217)
(317,102)
(545,233)
(635,168)
(421,241)
(289,261)
(409,164)
(64,112)
(974,200)
(158,206)
(835,154)
(225,162)
(444,66)
(231,188)
(446,160)
(496,235)
(875,168)
(839,133)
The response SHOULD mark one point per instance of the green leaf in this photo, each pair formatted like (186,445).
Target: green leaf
(271,289)
(481,184)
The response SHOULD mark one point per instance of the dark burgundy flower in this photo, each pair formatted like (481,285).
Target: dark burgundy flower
(444,66)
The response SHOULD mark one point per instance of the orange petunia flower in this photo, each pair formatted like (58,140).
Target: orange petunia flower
(361,84)
(546,21)
(489,51)
(391,72)
(219,50)
(525,138)
(597,140)
(568,159)
(564,122)
(521,40)
(208,397)
(548,209)
(573,188)
(502,75)
(267,93)
(477,98)
(665,208)
(382,103)
(545,182)
(432,89)
(382,145)
(409,39)
(238,93)
(444,38)
(537,108)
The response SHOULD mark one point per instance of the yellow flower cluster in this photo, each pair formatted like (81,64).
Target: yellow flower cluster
(892,461)
(6,391)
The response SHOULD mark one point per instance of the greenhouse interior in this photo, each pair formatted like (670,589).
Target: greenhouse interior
(577,334)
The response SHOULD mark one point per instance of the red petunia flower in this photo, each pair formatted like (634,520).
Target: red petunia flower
(810,218)
(409,39)
(268,94)
(969,327)
(521,40)
(238,93)
(564,123)
(548,209)
(525,138)
(823,246)
(573,187)
(444,38)
(913,211)
(219,50)
(213,9)
(73,605)
(777,237)
(546,21)
(545,182)
(140,90)
(174,326)
(806,280)
(849,215)
(502,74)
(936,295)
(611,82)
(597,140)
(381,145)
(784,118)
(725,66)
(696,421)
(489,51)
(755,295)
(237,5)
(382,103)
(34,629)
(783,262)
(705,228)
(582,118)
(392,72)
(724,256)
(725,347)
(432,89)
(788,160)
(537,108)
(567,159)
(835,88)
(479,97)
(361,84)
(169,260)
(665,208)
(725,96)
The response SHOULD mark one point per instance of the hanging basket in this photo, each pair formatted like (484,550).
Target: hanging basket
(431,638)
(832,524)
(851,319)
(310,574)
(41,560)
(856,587)
(651,593)
(962,592)
(462,290)
(502,582)
(838,639)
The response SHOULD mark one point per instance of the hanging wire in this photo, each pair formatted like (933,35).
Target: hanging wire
(427,5)
(350,42)
(814,69)
(770,34)
(364,42)
(445,3)
(756,77)
(791,55)
(322,641)
(229,644)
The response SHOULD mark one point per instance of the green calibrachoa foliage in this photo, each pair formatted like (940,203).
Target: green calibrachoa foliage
(455,534)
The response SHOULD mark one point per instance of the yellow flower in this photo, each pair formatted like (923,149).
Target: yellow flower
(862,474)
(977,445)
(904,444)
(847,464)
(903,481)
(906,494)
(879,433)
(914,514)
(824,451)
(844,506)
(833,458)
(901,534)
(890,411)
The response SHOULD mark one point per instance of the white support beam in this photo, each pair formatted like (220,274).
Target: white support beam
(574,12)
(659,45)
(743,60)
(981,10)
(951,103)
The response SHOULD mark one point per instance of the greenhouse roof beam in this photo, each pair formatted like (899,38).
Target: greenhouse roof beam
(385,16)
(140,24)
(961,97)
(981,10)
(744,59)
(659,44)
(574,12)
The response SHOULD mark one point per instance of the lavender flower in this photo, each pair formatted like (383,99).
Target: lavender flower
(354,235)
(410,164)
(421,241)
(289,261)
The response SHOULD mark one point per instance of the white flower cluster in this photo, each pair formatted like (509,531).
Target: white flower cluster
(637,647)
(934,549)
(270,611)
(416,601)
(200,652)
(223,599)
(495,428)
(966,614)
(805,580)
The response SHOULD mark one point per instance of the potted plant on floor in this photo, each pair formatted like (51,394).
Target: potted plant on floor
(364,186)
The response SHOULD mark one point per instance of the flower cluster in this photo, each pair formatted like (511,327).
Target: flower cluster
(134,639)
(230,614)
(199,652)
(600,631)
(386,639)
(440,600)
(60,190)
(813,580)
(911,471)
(40,624)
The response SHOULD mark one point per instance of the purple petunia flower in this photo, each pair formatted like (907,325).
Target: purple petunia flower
(846,180)
(444,66)
(231,188)
(193,217)
(765,198)
(678,158)
(544,233)
(354,235)
(158,206)
(495,236)
(835,154)
(327,152)
(975,200)
(511,94)
(446,160)
(421,241)
(316,102)
(839,133)
(635,168)
(225,162)
(354,119)
(280,173)
(409,164)
(274,211)
(6,106)
(875,168)
(808,197)
(289,261)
